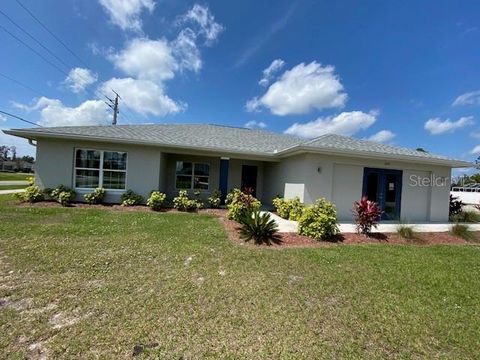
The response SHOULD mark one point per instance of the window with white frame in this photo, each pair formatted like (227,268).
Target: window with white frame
(191,175)
(100,168)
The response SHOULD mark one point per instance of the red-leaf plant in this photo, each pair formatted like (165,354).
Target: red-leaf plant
(367,214)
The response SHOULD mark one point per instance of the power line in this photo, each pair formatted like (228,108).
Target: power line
(21,84)
(33,50)
(51,33)
(61,42)
(36,40)
(19,118)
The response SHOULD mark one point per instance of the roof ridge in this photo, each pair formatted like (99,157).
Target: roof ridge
(320,137)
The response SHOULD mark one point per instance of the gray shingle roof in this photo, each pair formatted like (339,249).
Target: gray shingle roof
(197,135)
(230,139)
(338,142)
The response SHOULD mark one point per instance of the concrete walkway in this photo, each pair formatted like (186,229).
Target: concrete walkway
(13,182)
(12,191)
(284,225)
(385,227)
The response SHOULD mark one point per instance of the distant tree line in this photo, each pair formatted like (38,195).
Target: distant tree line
(9,153)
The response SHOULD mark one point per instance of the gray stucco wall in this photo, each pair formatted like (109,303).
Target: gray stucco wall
(55,166)
(340,180)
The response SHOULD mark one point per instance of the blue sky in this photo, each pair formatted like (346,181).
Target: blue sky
(405,73)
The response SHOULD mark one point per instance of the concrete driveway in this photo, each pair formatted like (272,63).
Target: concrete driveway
(13,182)
(12,191)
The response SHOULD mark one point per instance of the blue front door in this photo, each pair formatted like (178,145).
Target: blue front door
(223,181)
(384,186)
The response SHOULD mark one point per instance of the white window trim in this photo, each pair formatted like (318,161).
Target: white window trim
(192,175)
(100,170)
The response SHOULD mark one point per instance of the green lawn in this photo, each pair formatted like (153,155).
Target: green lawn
(12,187)
(12,176)
(94,283)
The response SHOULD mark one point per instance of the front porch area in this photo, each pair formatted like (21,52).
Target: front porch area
(207,174)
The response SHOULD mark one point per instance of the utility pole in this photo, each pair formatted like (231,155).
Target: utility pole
(113,104)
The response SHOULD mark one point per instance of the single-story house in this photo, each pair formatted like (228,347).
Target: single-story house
(410,185)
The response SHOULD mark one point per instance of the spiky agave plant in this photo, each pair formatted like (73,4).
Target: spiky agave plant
(259,227)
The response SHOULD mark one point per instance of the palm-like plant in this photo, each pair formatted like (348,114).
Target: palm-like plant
(259,227)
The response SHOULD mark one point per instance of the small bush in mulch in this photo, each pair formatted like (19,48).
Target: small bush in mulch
(406,232)
(462,231)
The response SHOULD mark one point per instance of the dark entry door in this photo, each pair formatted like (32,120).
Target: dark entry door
(249,178)
(384,186)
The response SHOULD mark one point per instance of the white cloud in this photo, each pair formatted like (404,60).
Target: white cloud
(126,13)
(37,104)
(204,21)
(149,64)
(255,124)
(469,98)
(475,150)
(3,118)
(346,123)
(475,134)
(253,105)
(143,96)
(266,34)
(186,52)
(270,71)
(302,89)
(54,113)
(79,79)
(436,126)
(383,136)
(146,59)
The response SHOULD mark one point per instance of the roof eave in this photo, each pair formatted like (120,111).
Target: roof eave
(366,154)
(35,135)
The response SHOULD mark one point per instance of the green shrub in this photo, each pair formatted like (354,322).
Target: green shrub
(259,227)
(156,200)
(63,195)
(31,194)
(466,217)
(462,231)
(296,209)
(319,220)
(240,203)
(131,198)
(282,207)
(289,209)
(95,197)
(406,232)
(183,203)
(215,199)
(66,197)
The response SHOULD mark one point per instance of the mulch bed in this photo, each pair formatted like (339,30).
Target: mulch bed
(287,240)
(294,240)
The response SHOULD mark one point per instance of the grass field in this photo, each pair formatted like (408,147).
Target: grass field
(12,176)
(96,283)
(12,187)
